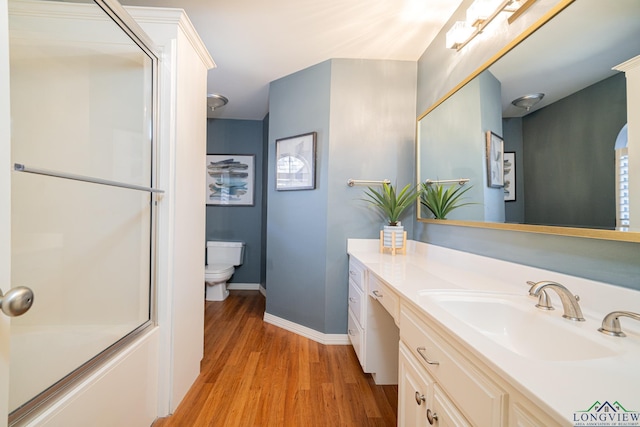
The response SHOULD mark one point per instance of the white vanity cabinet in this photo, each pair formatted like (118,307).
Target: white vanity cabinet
(421,401)
(456,379)
(357,274)
(372,330)
(459,390)
(440,382)
(452,372)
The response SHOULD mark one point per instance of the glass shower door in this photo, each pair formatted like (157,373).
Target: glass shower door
(82,191)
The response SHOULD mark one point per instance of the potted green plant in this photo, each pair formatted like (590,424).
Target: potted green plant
(440,201)
(392,204)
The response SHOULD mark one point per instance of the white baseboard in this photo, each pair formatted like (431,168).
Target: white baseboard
(312,334)
(243,286)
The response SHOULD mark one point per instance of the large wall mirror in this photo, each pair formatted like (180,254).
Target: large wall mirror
(563,154)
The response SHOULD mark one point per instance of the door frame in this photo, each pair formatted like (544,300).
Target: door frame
(5,208)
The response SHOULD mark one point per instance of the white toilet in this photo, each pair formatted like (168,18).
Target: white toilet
(221,259)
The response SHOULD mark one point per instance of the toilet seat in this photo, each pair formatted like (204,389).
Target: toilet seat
(217,271)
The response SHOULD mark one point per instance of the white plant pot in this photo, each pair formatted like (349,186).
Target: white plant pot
(388,233)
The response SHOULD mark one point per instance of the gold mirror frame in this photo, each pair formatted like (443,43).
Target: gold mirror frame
(593,233)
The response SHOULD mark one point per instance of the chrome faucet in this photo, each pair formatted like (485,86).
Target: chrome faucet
(569,301)
(611,322)
(544,303)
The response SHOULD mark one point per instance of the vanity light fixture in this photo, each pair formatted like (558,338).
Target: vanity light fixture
(215,100)
(479,15)
(528,101)
(461,30)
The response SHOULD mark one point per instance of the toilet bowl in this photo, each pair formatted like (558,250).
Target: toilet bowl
(216,277)
(222,258)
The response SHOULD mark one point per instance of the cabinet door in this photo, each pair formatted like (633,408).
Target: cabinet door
(443,412)
(355,303)
(414,392)
(476,393)
(523,413)
(356,336)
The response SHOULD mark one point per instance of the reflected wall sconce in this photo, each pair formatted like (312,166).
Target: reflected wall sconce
(528,101)
(215,100)
(479,16)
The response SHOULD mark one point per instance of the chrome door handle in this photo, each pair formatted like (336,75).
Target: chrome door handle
(419,398)
(16,301)
(421,351)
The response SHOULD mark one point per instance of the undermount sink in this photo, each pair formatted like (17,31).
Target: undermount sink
(513,321)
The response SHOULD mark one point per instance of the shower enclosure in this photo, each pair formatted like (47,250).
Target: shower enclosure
(83,196)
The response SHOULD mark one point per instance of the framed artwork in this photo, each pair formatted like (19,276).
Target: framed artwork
(230,179)
(296,162)
(509,176)
(495,160)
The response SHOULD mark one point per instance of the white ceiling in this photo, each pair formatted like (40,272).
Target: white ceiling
(254,42)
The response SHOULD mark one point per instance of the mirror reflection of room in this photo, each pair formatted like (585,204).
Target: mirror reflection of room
(568,143)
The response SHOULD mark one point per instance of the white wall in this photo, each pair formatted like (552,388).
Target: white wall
(181,241)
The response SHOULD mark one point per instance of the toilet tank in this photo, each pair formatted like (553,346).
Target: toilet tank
(225,252)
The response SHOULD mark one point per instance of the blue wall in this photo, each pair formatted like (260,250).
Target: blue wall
(572,141)
(297,220)
(491,120)
(364,115)
(454,146)
(512,132)
(265,199)
(239,223)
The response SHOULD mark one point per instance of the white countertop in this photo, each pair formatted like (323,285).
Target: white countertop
(562,388)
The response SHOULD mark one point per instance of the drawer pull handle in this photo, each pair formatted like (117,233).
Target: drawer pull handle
(431,416)
(352,273)
(351,333)
(377,293)
(419,398)
(352,299)
(421,351)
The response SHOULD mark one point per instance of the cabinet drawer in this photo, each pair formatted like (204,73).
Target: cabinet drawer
(356,336)
(355,302)
(356,273)
(478,398)
(381,292)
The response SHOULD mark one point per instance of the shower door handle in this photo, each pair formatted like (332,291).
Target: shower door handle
(16,301)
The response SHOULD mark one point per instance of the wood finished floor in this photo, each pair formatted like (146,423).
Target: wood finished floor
(256,374)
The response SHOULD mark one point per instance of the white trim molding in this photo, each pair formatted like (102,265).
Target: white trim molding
(243,286)
(312,334)
(177,17)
